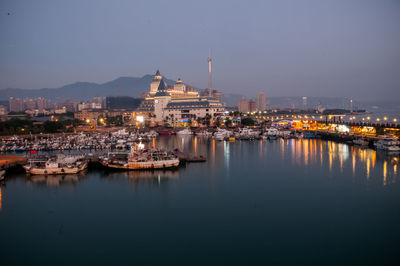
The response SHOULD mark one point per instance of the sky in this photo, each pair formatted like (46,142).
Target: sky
(337,48)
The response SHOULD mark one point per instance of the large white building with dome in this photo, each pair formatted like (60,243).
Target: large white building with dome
(178,103)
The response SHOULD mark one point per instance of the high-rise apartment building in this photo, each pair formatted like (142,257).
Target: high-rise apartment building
(243,106)
(261,102)
(252,106)
(16,104)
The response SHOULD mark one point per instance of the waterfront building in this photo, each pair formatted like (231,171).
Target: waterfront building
(161,100)
(261,102)
(178,100)
(190,109)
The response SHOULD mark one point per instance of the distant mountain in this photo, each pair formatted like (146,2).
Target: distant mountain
(123,86)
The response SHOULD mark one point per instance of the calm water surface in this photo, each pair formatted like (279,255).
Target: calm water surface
(287,202)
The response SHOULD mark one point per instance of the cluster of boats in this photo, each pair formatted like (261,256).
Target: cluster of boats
(121,139)
(248,134)
(127,157)
(387,143)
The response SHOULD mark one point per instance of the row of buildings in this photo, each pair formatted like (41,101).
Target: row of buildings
(176,104)
(260,104)
(22,104)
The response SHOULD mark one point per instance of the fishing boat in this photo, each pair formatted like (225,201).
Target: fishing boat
(146,159)
(56,166)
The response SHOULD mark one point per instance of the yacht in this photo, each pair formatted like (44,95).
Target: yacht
(388,143)
(221,134)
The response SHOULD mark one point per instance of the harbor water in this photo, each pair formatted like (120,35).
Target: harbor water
(284,202)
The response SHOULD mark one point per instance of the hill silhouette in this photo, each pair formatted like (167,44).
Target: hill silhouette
(123,86)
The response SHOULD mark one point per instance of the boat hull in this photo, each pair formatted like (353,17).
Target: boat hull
(55,171)
(145,165)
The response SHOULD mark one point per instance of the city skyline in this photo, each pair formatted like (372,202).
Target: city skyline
(338,48)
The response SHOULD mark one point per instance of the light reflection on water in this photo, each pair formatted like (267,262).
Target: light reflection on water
(250,196)
(301,152)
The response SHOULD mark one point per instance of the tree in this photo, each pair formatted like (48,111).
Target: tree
(247,121)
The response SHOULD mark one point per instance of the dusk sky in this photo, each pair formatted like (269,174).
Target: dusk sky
(285,48)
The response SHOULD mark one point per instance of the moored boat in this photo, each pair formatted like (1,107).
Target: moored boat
(147,159)
(185,131)
(388,143)
(52,166)
(360,141)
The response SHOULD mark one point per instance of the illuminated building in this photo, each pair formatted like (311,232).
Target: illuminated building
(179,102)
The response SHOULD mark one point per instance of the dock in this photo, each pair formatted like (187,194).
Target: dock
(10,163)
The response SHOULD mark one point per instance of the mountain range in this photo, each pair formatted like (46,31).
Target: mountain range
(83,91)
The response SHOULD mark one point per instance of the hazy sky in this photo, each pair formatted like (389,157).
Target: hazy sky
(284,48)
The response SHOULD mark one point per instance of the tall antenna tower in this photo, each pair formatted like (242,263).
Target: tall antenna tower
(209,73)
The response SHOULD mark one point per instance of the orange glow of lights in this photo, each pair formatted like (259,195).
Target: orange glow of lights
(385,173)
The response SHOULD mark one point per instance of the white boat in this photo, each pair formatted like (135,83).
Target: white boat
(154,159)
(221,134)
(388,143)
(271,133)
(185,131)
(361,142)
(67,165)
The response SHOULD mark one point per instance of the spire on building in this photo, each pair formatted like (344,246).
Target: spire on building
(162,90)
